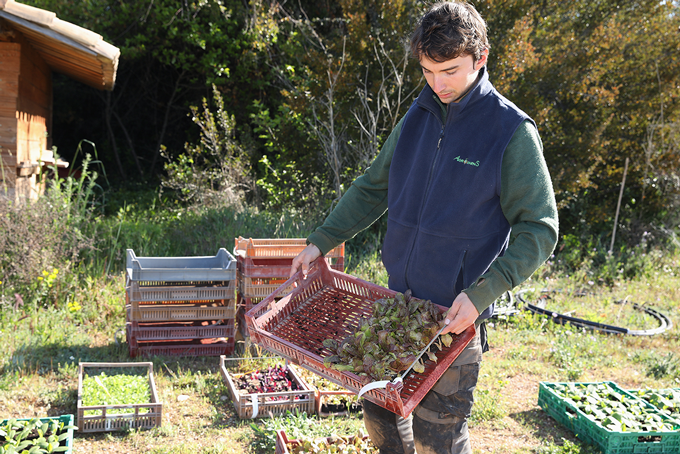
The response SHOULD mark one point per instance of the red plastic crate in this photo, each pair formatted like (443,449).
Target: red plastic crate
(247,303)
(182,331)
(263,267)
(275,248)
(328,304)
(261,287)
(179,348)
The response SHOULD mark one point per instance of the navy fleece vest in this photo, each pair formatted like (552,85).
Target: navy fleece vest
(445,223)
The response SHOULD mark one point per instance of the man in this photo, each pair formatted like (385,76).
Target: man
(471,214)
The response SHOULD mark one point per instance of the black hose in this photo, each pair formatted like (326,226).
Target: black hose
(664,322)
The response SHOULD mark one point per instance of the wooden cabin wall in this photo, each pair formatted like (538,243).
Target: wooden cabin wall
(25,116)
(10,59)
(34,116)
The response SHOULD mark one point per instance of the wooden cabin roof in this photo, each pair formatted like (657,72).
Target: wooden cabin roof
(67,48)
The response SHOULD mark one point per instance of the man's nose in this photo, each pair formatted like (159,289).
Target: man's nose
(438,83)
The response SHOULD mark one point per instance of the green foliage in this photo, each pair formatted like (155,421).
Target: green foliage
(601,82)
(115,389)
(577,253)
(489,404)
(567,447)
(572,351)
(659,366)
(34,436)
(43,240)
(214,171)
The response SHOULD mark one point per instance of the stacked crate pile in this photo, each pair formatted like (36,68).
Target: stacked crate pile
(264,265)
(180,306)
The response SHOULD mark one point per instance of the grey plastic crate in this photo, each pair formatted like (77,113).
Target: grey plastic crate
(221,267)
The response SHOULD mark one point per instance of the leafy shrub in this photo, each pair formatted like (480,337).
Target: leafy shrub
(213,172)
(589,258)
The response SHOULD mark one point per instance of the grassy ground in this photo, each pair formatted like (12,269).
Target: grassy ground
(40,351)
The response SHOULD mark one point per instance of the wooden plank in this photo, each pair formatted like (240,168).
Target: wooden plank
(9,84)
(33,101)
(10,55)
(8,134)
(8,106)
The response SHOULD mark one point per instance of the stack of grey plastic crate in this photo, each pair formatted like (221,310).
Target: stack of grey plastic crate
(180,306)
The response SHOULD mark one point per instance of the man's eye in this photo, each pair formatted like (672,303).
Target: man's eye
(451,73)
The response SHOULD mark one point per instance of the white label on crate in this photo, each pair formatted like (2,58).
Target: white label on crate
(117,417)
(255,404)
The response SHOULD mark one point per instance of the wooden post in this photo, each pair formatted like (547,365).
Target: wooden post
(618,205)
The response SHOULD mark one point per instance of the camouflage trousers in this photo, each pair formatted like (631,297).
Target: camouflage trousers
(438,425)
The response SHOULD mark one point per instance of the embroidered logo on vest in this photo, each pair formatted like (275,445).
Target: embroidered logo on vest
(465,161)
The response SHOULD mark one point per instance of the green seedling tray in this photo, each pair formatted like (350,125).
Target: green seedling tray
(609,442)
(108,418)
(67,420)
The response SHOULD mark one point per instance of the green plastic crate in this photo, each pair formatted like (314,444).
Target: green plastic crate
(66,419)
(608,441)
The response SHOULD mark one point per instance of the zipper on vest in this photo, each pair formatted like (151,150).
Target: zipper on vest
(427,190)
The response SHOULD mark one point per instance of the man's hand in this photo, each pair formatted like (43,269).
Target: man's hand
(303,259)
(461,315)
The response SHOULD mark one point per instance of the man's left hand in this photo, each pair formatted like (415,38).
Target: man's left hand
(461,315)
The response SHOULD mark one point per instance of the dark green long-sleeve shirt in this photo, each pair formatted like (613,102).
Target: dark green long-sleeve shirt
(527,201)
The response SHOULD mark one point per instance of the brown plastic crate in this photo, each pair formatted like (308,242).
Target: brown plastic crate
(250,406)
(169,292)
(328,304)
(277,248)
(321,395)
(145,416)
(192,311)
(282,442)
(179,347)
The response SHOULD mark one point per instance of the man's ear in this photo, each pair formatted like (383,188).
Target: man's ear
(482,59)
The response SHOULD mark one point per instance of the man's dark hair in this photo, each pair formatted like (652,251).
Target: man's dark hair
(450,30)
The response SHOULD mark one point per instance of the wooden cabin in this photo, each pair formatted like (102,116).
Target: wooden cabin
(33,44)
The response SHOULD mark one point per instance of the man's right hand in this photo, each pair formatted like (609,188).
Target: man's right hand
(304,258)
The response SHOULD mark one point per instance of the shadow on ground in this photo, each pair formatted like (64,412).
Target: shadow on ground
(544,427)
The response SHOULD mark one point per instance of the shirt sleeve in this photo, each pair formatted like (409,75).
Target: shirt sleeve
(364,202)
(528,203)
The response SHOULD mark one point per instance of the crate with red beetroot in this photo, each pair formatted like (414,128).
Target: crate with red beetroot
(267,391)
(330,305)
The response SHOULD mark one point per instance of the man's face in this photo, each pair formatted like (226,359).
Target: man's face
(451,79)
